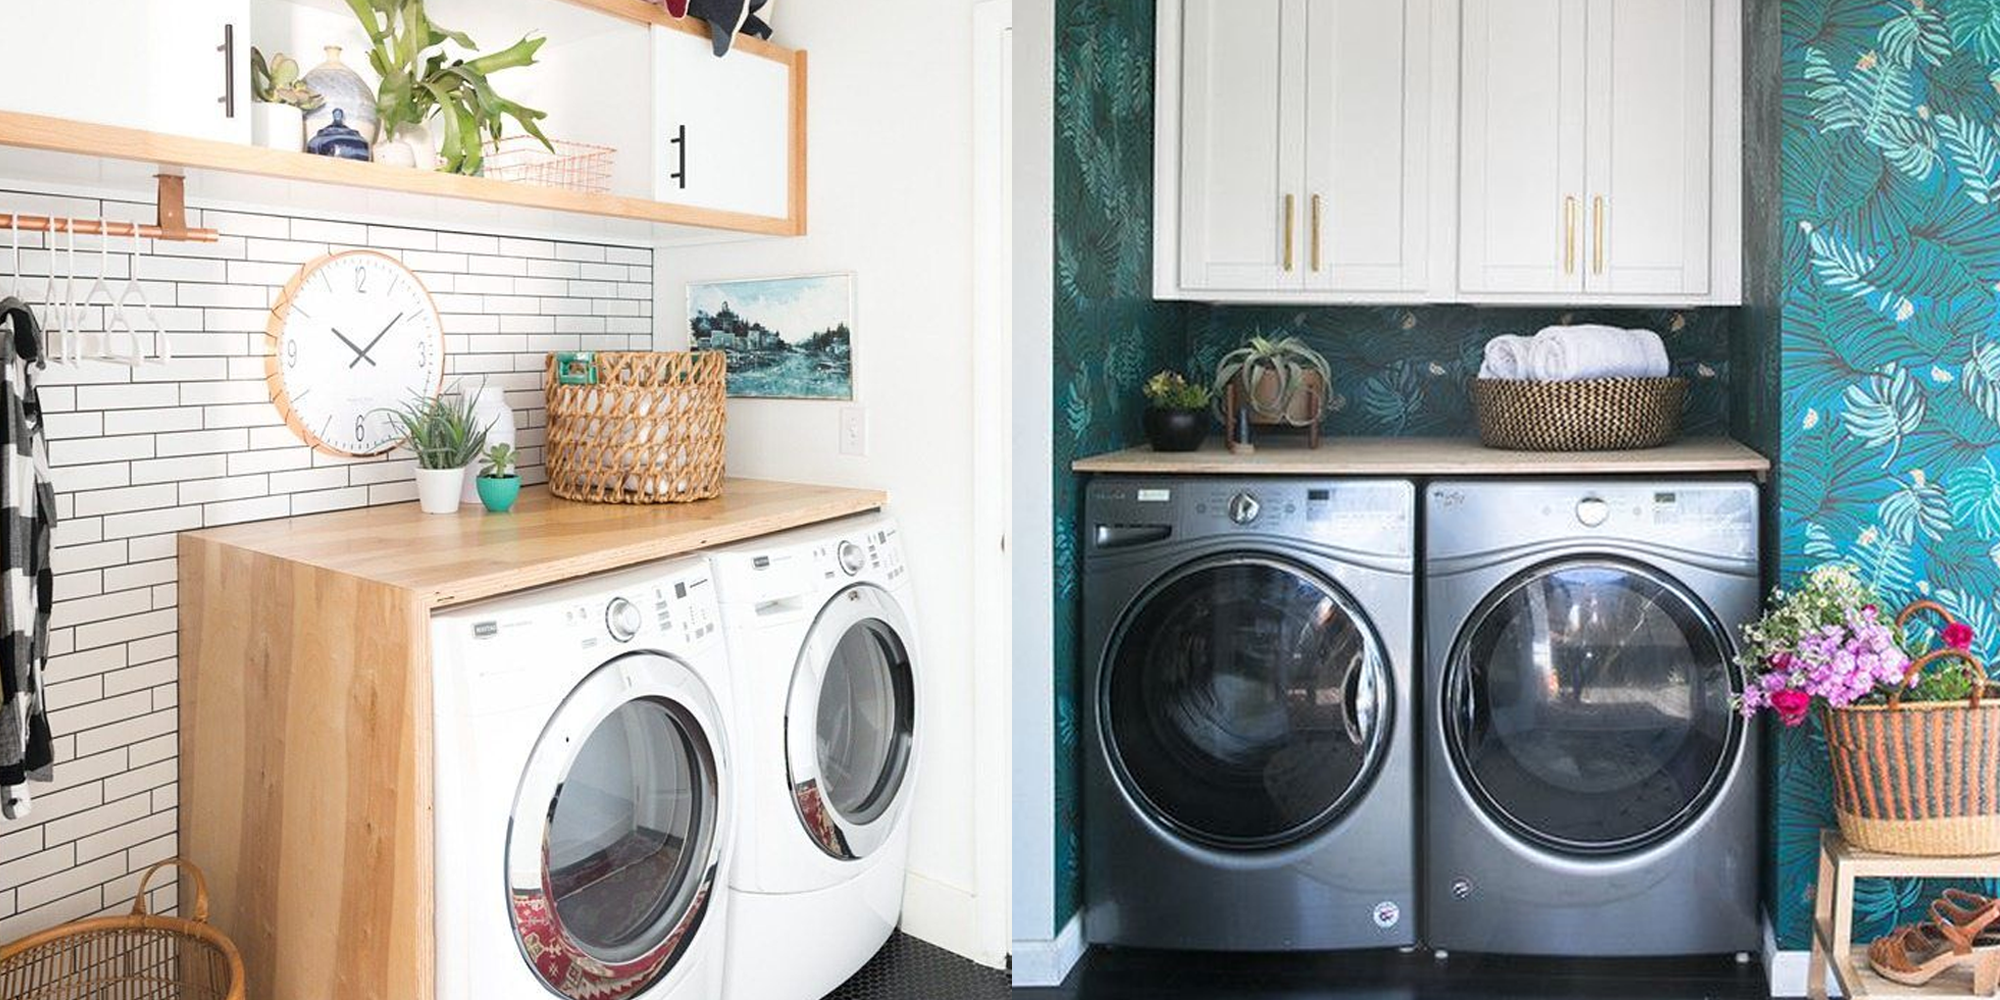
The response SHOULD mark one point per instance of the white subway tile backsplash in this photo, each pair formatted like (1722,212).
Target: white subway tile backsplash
(143,453)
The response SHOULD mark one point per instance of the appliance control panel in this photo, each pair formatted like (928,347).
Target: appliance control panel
(875,554)
(1370,515)
(1717,518)
(677,610)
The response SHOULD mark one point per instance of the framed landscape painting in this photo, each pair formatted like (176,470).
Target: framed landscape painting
(785,338)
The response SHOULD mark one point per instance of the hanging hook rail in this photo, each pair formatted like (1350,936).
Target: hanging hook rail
(172,224)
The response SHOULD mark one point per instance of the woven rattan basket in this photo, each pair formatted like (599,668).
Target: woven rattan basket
(134,957)
(649,430)
(1919,778)
(1600,414)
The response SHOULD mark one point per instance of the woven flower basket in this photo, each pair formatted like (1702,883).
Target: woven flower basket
(1920,778)
(649,430)
(135,957)
(1600,414)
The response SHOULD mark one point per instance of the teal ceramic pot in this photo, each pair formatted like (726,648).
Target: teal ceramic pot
(498,494)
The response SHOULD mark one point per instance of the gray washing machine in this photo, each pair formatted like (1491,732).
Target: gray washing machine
(1589,790)
(1249,773)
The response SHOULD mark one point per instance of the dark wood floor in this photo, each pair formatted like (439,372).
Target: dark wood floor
(1134,974)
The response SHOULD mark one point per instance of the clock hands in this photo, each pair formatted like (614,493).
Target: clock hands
(378,339)
(359,353)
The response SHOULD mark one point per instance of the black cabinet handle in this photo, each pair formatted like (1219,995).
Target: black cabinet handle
(681,140)
(228,50)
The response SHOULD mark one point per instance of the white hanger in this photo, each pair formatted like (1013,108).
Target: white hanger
(72,312)
(114,315)
(53,341)
(163,350)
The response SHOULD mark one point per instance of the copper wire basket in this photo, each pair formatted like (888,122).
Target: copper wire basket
(138,956)
(571,166)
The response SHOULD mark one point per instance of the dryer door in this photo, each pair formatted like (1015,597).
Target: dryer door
(1243,702)
(616,838)
(850,720)
(1587,706)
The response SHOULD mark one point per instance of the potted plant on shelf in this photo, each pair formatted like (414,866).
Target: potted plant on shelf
(421,83)
(1911,736)
(445,437)
(1176,412)
(280,102)
(1277,382)
(499,486)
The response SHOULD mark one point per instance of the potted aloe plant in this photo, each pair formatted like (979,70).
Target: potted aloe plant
(446,437)
(1176,412)
(280,102)
(1280,381)
(498,484)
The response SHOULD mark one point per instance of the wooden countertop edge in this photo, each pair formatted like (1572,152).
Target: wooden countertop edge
(1728,456)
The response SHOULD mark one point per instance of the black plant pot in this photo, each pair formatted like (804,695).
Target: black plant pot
(1176,430)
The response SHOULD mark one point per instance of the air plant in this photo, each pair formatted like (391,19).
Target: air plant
(419,80)
(1271,373)
(441,430)
(279,82)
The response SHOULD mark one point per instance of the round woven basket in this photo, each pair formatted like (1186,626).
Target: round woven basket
(134,957)
(1601,414)
(1920,778)
(649,430)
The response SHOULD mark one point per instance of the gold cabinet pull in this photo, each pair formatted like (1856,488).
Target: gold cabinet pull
(1569,234)
(1597,235)
(1288,232)
(1315,233)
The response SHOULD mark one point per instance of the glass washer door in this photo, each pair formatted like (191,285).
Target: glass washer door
(1587,706)
(615,841)
(850,723)
(1243,702)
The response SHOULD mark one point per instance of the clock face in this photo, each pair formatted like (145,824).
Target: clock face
(353,334)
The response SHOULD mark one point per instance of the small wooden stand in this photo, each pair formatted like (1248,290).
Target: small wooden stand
(1230,405)
(1833,918)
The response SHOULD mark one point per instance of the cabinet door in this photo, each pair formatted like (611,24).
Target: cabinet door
(1242,144)
(722,127)
(181,68)
(1648,92)
(1521,211)
(1368,106)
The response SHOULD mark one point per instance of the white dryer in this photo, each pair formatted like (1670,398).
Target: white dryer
(822,639)
(585,790)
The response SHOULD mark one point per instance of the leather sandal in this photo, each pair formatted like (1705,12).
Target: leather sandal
(1960,907)
(1915,954)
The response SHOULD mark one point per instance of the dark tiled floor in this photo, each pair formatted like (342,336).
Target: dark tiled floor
(909,969)
(1132,974)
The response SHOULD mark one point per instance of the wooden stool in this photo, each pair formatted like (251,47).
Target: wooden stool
(1833,916)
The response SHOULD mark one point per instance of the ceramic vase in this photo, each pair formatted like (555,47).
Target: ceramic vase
(498,493)
(438,490)
(1176,430)
(277,126)
(344,91)
(490,410)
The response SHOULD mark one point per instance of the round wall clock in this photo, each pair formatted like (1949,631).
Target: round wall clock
(354,333)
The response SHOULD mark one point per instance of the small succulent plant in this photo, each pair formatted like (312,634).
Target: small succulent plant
(278,81)
(1170,390)
(498,461)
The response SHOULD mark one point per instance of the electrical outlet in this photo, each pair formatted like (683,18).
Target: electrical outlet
(853,431)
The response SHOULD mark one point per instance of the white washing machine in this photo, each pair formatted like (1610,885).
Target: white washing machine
(821,635)
(585,790)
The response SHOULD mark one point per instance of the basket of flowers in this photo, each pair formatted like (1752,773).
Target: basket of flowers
(1913,728)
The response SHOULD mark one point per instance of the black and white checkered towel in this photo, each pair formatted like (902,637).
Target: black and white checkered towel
(30,512)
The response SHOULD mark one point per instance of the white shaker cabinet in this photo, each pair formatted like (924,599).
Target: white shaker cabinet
(1293,149)
(1599,158)
(724,129)
(181,68)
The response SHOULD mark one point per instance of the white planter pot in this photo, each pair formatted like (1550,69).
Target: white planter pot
(438,490)
(490,410)
(410,146)
(278,126)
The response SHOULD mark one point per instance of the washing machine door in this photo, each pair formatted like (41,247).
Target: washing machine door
(616,838)
(1243,702)
(1587,706)
(850,719)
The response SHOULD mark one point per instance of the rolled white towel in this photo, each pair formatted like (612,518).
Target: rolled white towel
(1507,357)
(1568,353)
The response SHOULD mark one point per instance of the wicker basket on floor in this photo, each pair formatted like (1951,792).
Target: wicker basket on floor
(134,957)
(649,430)
(1601,414)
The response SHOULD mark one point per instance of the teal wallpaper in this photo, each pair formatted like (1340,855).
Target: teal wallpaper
(1889,160)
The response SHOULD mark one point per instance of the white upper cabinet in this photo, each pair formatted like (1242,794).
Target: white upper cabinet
(723,128)
(181,68)
(1292,148)
(1492,151)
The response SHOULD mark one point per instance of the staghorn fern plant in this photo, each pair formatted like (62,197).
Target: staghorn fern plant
(1271,375)
(441,430)
(407,51)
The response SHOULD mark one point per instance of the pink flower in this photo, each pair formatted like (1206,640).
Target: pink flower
(1791,706)
(1958,635)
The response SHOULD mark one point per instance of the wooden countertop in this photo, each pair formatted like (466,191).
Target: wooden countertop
(1359,456)
(450,559)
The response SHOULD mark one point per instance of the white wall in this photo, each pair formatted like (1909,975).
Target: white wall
(890,198)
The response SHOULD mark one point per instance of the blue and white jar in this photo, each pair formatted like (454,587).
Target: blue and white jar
(344,91)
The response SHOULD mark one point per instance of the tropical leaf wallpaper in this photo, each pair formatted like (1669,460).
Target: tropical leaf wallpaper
(1888,163)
